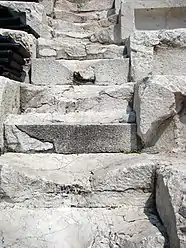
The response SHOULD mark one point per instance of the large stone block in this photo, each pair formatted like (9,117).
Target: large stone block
(84,6)
(65,99)
(159,104)
(74,49)
(83,227)
(171,200)
(98,72)
(35,13)
(72,133)
(151,15)
(28,178)
(157,53)
(9,103)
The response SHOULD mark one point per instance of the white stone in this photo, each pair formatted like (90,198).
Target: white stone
(9,103)
(35,14)
(160,112)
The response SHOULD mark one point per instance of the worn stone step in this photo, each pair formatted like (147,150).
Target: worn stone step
(82,17)
(72,133)
(70,227)
(99,198)
(86,6)
(60,48)
(54,180)
(98,72)
(65,99)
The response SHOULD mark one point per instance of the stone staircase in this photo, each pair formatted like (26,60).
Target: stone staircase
(72,174)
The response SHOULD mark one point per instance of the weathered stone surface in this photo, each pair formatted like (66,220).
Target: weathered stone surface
(48,6)
(80,227)
(98,72)
(149,56)
(135,16)
(87,6)
(53,180)
(28,40)
(35,14)
(65,99)
(50,72)
(73,133)
(9,103)
(159,104)
(75,49)
(171,201)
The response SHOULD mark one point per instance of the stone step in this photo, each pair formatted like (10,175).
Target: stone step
(86,6)
(98,72)
(84,132)
(84,180)
(60,48)
(82,17)
(99,198)
(65,99)
(70,227)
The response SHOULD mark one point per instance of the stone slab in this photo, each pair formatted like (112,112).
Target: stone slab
(82,227)
(56,180)
(72,133)
(66,99)
(98,72)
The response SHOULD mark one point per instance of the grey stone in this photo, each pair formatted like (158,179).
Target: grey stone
(9,103)
(98,72)
(159,103)
(65,99)
(170,200)
(74,133)
(80,227)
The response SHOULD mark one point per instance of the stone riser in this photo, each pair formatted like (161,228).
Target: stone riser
(94,72)
(28,133)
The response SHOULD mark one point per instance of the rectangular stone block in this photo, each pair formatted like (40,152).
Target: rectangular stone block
(94,72)
(150,15)
(33,133)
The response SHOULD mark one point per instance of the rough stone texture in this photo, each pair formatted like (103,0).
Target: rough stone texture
(79,228)
(35,13)
(128,15)
(9,103)
(171,201)
(27,40)
(98,72)
(149,56)
(77,180)
(72,133)
(87,6)
(63,49)
(159,104)
(65,99)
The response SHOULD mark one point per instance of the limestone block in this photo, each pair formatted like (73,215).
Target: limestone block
(100,72)
(35,14)
(84,6)
(28,183)
(66,99)
(159,104)
(48,6)
(9,102)
(152,53)
(135,15)
(74,132)
(82,227)
(171,201)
